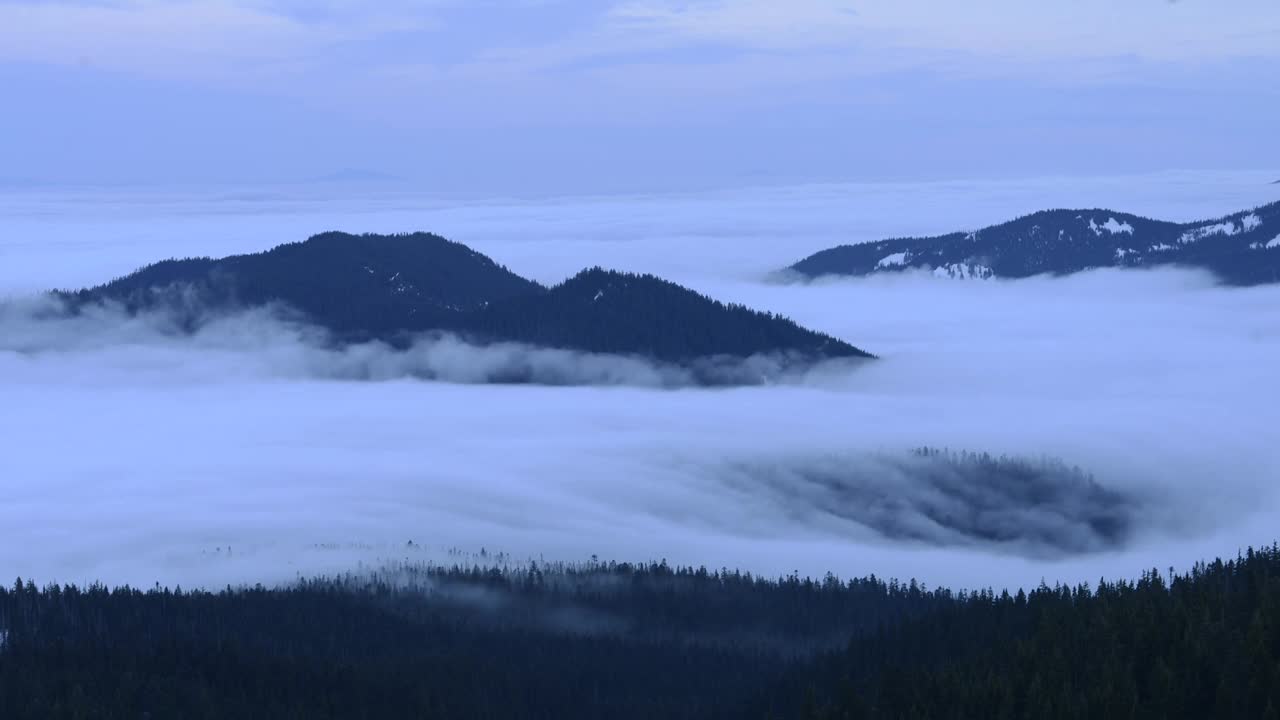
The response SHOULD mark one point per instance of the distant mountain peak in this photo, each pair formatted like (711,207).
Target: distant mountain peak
(1237,247)
(600,278)
(357,175)
(358,286)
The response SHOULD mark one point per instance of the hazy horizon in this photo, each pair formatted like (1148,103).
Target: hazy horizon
(571,97)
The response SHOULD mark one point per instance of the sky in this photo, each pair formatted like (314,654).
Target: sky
(580,96)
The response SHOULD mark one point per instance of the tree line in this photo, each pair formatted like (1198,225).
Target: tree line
(620,640)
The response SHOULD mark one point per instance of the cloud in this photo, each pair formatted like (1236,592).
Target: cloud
(133,461)
(270,45)
(1154,31)
(804,24)
(1093,43)
(200,37)
(132,455)
(597,95)
(314,49)
(273,342)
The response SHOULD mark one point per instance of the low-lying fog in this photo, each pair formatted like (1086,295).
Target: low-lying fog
(129,456)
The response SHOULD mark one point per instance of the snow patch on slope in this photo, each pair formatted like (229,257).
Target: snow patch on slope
(1112,226)
(400,287)
(964,271)
(894,260)
(1226,229)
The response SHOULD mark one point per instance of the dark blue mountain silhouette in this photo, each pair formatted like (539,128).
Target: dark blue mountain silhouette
(1241,249)
(393,287)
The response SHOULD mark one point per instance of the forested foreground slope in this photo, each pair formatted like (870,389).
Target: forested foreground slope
(1205,644)
(644,641)
(553,642)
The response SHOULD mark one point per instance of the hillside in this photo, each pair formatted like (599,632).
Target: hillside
(613,312)
(395,287)
(1241,249)
(1204,644)
(357,286)
(535,641)
(488,638)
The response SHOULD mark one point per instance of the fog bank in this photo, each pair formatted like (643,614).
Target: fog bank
(135,460)
(134,456)
(275,342)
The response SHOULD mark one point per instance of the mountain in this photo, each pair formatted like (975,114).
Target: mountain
(358,286)
(393,287)
(614,312)
(1242,249)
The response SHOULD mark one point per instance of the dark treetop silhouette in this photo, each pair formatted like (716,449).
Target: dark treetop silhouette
(644,641)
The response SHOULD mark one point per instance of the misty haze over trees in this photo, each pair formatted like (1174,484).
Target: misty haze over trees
(480,640)
(944,497)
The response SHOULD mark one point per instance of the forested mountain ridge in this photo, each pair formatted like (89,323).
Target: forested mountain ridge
(625,313)
(353,285)
(1241,249)
(394,287)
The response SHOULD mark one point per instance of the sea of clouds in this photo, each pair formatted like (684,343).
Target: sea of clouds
(255,452)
